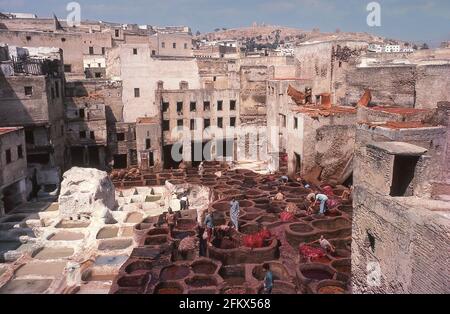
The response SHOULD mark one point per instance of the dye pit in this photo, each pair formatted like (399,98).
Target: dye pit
(230,267)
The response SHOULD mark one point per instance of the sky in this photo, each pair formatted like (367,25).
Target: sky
(409,20)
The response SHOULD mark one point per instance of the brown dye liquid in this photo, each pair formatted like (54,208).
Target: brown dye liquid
(316,274)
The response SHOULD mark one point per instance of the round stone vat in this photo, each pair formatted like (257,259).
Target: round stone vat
(186,224)
(330,287)
(157,231)
(180,235)
(279,272)
(48,253)
(134,217)
(199,281)
(236,254)
(133,281)
(297,233)
(250,216)
(155,240)
(138,267)
(110,260)
(177,181)
(261,201)
(332,224)
(233,275)
(66,236)
(307,273)
(252,210)
(246,204)
(204,266)
(114,244)
(174,272)
(95,274)
(250,228)
(108,232)
(72,224)
(225,243)
(267,219)
(172,287)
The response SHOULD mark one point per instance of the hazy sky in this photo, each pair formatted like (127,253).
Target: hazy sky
(414,20)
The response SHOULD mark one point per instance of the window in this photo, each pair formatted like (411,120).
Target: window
(81,113)
(63,39)
(28,38)
(193,126)
(206,106)
(29,137)
(215,78)
(120,137)
(28,90)
(92,135)
(137,93)
(8,156)
(153,52)
(174,45)
(103,50)
(180,123)
(220,122)
(135,51)
(148,143)
(52,90)
(98,75)
(206,123)
(193,106)
(116,33)
(233,121)
(20,152)
(67,68)
(219,105)
(99,65)
(82,134)
(89,65)
(283,120)
(91,50)
(232,105)
(179,106)
(57,89)
(163,45)
(165,106)
(185,46)
(403,175)
(166,125)
(295,123)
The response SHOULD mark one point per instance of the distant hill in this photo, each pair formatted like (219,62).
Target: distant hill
(268,33)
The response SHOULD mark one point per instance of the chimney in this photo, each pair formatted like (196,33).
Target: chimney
(326,100)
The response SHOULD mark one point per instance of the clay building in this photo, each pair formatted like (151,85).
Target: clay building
(148,143)
(13,163)
(318,139)
(32,96)
(207,120)
(400,228)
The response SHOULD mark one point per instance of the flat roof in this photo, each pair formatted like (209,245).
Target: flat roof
(397,125)
(146,120)
(323,111)
(8,130)
(399,148)
(398,110)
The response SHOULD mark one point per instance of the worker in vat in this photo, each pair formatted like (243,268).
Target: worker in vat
(347,194)
(314,198)
(326,245)
(268,279)
(171,220)
(201,169)
(234,213)
(284,179)
(278,197)
(184,202)
(209,225)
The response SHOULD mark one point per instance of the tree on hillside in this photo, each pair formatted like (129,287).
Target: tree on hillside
(198,33)
(425,46)
(216,29)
